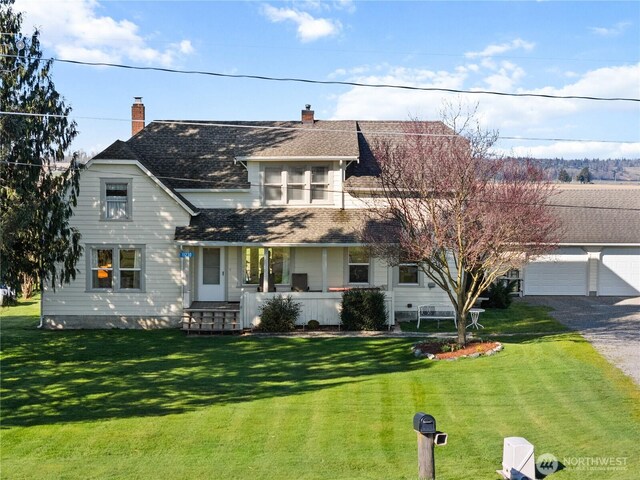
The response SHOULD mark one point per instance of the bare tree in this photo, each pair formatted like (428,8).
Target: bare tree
(464,216)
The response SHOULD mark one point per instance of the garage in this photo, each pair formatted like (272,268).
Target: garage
(562,273)
(619,272)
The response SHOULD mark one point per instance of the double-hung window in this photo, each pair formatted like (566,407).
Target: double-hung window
(358,265)
(116,268)
(408,274)
(116,199)
(296,184)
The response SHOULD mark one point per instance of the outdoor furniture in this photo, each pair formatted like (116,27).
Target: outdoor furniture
(475,314)
(299,282)
(429,312)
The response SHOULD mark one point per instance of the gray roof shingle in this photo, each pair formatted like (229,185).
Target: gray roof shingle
(278,225)
(599,214)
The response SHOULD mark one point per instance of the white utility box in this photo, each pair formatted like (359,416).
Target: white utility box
(518,462)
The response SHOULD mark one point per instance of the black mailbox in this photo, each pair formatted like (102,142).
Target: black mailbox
(424,423)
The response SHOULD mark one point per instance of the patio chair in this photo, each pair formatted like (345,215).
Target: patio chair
(272,283)
(299,282)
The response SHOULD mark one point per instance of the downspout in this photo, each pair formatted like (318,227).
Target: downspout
(342,175)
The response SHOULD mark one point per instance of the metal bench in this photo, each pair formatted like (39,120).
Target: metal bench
(429,312)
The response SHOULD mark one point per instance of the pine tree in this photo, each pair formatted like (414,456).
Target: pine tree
(584,176)
(564,176)
(37,243)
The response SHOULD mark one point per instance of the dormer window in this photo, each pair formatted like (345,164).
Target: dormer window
(296,184)
(116,199)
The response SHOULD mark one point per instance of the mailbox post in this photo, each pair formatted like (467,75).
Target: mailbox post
(425,427)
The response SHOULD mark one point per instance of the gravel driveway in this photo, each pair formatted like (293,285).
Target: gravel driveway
(611,324)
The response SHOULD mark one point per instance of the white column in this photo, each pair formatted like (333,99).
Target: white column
(265,271)
(186,281)
(325,270)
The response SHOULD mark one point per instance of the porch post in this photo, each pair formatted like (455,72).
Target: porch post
(186,281)
(265,271)
(325,269)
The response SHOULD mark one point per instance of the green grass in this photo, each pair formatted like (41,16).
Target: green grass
(518,318)
(159,405)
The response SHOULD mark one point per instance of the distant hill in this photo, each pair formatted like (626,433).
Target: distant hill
(609,170)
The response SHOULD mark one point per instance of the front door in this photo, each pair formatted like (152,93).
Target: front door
(211,276)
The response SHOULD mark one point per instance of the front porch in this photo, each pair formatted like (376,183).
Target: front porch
(224,317)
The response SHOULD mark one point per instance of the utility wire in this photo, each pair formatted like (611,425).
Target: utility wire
(314,129)
(329,190)
(336,82)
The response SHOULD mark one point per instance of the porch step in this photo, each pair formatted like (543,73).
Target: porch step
(211,320)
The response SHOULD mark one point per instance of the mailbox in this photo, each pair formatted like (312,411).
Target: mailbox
(424,423)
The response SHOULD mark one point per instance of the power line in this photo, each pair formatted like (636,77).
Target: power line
(328,190)
(336,82)
(315,129)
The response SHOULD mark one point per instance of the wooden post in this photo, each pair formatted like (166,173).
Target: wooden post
(426,463)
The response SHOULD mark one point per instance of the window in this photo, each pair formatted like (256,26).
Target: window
(116,199)
(124,274)
(408,274)
(358,265)
(319,184)
(293,184)
(130,268)
(279,260)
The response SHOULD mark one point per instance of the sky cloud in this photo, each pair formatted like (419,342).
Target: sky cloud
(499,49)
(309,28)
(512,116)
(618,29)
(76,30)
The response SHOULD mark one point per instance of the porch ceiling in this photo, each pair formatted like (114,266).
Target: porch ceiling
(279,225)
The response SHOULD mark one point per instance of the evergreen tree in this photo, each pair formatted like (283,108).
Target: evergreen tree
(37,243)
(584,176)
(564,176)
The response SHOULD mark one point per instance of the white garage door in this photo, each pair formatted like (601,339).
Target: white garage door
(562,273)
(619,272)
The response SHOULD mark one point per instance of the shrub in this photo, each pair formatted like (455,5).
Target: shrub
(363,310)
(499,294)
(279,314)
(313,324)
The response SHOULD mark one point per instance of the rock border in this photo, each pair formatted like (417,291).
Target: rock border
(430,356)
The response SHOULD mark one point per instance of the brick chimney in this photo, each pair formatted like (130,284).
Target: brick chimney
(307,115)
(137,115)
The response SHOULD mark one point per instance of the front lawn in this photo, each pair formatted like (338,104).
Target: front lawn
(518,318)
(159,405)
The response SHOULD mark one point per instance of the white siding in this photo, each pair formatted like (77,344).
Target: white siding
(154,218)
(309,261)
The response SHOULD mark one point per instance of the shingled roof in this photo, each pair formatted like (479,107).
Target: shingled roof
(201,154)
(278,225)
(599,214)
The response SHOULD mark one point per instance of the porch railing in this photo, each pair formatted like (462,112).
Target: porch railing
(324,307)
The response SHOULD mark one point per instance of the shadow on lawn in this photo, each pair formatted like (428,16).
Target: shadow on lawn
(52,377)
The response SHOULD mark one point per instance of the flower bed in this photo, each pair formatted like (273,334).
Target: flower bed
(450,351)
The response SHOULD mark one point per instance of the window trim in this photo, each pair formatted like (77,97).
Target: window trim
(348,264)
(103,199)
(285,170)
(115,267)
(396,274)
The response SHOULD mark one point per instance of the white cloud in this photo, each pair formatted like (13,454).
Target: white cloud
(493,50)
(513,116)
(74,29)
(572,150)
(618,29)
(309,28)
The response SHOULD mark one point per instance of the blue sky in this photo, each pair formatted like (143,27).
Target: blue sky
(563,48)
